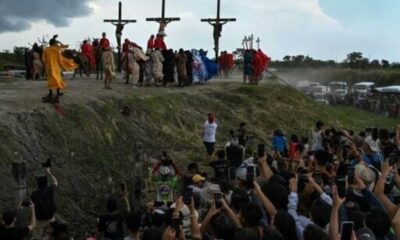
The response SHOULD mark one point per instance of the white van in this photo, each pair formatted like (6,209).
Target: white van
(363,88)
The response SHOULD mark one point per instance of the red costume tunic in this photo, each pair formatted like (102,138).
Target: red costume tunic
(229,61)
(159,43)
(87,51)
(105,43)
(258,66)
(150,43)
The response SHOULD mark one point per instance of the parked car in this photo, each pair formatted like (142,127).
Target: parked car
(362,89)
(338,92)
(306,86)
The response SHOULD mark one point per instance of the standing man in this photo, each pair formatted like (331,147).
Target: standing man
(109,67)
(150,43)
(158,60)
(209,133)
(181,60)
(54,62)
(43,199)
(104,42)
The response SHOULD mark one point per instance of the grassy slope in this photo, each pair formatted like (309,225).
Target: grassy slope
(94,142)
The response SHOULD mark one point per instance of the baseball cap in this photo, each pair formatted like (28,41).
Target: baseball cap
(365,234)
(197,178)
(373,145)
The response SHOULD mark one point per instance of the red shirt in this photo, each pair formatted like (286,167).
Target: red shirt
(105,43)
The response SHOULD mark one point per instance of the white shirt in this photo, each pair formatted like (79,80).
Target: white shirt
(209,131)
(316,141)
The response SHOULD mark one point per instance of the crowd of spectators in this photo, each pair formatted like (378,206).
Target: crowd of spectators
(339,184)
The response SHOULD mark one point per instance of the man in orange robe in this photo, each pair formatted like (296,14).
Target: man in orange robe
(54,62)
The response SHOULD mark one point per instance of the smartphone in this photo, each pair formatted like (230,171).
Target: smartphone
(341,186)
(218,200)
(261,150)
(317,177)
(187,196)
(346,230)
(123,186)
(26,204)
(351,174)
(250,176)
(302,175)
(175,224)
(392,159)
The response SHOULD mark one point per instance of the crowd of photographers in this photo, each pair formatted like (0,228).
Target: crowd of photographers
(337,185)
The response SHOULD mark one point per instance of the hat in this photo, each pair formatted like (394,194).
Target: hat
(365,234)
(366,174)
(241,173)
(208,192)
(197,178)
(373,145)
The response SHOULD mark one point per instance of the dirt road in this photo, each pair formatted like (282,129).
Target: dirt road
(18,95)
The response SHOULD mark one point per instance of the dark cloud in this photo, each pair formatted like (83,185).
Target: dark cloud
(18,15)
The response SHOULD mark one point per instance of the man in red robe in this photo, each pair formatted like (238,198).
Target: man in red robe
(104,42)
(87,51)
(258,66)
(150,43)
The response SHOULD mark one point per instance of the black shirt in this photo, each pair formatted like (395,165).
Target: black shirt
(44,203)
(112,226)
(234,155)
(220,169)
(13,233)
(187,181)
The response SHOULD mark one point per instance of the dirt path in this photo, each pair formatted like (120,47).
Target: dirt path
(18,95)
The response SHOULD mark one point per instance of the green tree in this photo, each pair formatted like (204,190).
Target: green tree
(385,64)
(375,64)
(356,60)
(287,58)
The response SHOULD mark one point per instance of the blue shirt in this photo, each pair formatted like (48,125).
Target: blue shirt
(279,143)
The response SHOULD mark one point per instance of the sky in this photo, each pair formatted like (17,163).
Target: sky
(322,29)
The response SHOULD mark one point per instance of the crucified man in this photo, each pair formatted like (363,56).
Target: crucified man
(118,32)
(217,31)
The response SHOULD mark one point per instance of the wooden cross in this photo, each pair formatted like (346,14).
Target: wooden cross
(217,24)
(258,43)
(251,39)
(163,21)
(246,42)
(119,24)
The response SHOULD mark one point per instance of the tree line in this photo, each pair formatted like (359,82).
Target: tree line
(354,60)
